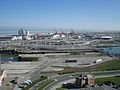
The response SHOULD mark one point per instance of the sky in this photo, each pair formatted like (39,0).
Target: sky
(68,14)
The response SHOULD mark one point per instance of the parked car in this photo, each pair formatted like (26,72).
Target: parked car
(29,81)
(26,83)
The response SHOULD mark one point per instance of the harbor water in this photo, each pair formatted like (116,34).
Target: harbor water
(112,50)
(7,58)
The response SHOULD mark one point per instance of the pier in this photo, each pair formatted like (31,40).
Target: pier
(47,51)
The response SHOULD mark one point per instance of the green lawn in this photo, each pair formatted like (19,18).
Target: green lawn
(61,88)
(46,84)
(105,73)
(116,80)
(110,65)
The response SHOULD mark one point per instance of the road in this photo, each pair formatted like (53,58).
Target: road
(35,87)
(67,77)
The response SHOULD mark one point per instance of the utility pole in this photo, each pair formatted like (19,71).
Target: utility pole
(0,63)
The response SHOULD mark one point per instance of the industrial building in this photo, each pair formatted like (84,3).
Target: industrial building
(2,76)
(9,38)
(84,80)
(25,34)
(22,32)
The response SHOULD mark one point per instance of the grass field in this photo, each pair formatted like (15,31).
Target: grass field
(105,73)
(116,80)
(46,84)
(109,65)
(61,88)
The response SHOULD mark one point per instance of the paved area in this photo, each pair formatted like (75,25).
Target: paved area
(82,61)
(7,85)
(32,70)
(21,67)
(52,63)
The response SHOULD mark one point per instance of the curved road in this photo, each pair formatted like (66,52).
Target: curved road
(67,77)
